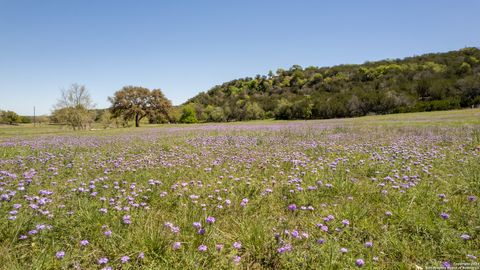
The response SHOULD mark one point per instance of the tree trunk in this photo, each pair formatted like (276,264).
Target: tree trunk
(137,120)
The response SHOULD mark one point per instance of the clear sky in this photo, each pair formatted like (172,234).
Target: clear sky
(185,47)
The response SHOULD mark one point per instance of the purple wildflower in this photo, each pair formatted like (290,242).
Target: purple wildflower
(103,260)
(292,207)
(444,215)
(360,262)
(176,245)
(126,219)
(60,254)
(237,259)
(84,242)
(202,248)
(237,245)
(210,220)
(125,259)
(197,225)
(284,248)
(175,229)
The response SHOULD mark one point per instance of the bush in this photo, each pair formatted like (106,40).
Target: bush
(188,115)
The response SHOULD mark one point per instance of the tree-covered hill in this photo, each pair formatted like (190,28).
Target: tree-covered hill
(436,81)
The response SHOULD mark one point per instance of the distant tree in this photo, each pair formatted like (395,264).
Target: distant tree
(42,119)
(284,110)
(73,107)
(470,90)
(76,96)
(77,117)
(464,68)
(136,103)
(302,109)
(9,117)
(106,119)
(159,118)
(25,120)
(200,113)
(188,114)
(354,106)
(253,111)
(217,115)
(174,114)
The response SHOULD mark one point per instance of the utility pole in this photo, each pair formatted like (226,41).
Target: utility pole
(33,116)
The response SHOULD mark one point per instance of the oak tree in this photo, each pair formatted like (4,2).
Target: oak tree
(136,103)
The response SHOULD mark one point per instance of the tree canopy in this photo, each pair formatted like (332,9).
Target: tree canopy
(10,117)
(74,107)
(136,103)
(188,115)
(437,81)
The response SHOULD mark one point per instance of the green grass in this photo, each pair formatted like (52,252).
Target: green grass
(455,118)
(272,163)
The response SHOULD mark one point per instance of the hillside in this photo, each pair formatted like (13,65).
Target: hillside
(436,81)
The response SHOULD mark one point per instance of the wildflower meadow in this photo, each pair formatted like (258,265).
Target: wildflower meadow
(377,192)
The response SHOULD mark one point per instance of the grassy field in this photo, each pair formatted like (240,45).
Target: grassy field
(376,192)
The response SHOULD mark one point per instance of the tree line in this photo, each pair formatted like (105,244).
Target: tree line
(130,103)
(12,118)
(439,81)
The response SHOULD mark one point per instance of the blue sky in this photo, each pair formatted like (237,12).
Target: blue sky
(185,47)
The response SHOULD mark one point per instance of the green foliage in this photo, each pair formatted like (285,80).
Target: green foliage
(77,117)
(215,114)
(74,108)
(253,111)
(188,115)
(174,114)
(9,117)
(420,83)
(136,103)
(437,105)
(284,109)
(107,120)
(25,120)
